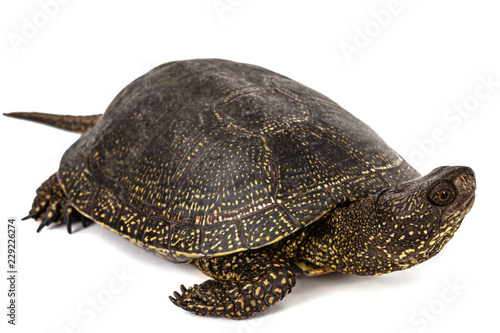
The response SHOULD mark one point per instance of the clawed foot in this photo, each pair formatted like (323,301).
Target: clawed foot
(52,206)
(201,299)
(257,288)
(222,299)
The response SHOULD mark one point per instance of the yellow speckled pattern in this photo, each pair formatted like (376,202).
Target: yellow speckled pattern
(398,228)
(243,284)
(208,157)
(251,177)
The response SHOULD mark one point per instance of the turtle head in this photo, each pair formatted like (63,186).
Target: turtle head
(417,218)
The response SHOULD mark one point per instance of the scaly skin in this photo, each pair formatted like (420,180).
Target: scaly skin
(244,284)
(393,230)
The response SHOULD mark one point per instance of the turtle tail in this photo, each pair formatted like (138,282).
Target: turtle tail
(78,124)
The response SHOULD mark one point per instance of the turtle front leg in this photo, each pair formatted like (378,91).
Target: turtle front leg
(244,284)
(52,205)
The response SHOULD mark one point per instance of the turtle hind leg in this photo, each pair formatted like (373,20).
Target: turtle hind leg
(244,284)
(52,206)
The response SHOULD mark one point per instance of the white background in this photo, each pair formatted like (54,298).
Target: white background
(411,71)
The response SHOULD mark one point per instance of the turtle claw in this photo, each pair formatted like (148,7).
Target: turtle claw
(68,227)
(29,216)
(177,296)
(42,225)
(207,299)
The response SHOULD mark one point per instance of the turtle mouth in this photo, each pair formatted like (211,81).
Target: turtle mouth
(468,204)
(458,212)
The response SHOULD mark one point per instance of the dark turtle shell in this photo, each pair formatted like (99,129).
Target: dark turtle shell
(209,157)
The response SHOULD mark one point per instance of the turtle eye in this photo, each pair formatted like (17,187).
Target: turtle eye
(442,194)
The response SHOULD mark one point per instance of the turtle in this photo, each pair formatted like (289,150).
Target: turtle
(251,177)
